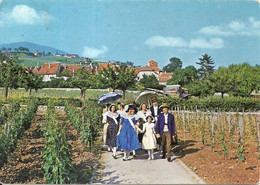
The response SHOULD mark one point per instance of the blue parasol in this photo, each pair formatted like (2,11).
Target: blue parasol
(109,97)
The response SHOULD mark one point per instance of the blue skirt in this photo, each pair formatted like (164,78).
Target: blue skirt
(127,139)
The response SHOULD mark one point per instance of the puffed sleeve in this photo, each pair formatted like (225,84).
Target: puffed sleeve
(122,121)
(104,120)
(134,121)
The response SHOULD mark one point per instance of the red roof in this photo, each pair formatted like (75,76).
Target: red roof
(105,66)
(152,63)
(151,66)
(164,77)
(49,69)
(90,69)
(35,70)
(71,67)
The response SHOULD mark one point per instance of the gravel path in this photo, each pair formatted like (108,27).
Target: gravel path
(141,171)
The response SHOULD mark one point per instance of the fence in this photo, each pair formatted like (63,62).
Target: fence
(219,128)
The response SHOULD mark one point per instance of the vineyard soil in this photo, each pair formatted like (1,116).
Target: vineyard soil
(25,164)
(213,168)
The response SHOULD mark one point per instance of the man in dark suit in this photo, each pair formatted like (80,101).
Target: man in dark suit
(165,128)
(155,108)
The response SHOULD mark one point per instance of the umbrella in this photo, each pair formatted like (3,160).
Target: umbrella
(146,96)
(109,97)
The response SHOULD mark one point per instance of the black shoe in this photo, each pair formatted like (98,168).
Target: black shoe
(163,157)
(169,159)
(124,159)
(134,155)
(114,156)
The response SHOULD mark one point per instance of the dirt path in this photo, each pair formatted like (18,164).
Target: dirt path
(24,165)
(82,161)
(140,170)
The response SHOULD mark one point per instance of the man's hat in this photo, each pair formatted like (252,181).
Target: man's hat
(164,105)
(154,99)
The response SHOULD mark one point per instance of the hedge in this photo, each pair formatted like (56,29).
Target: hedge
(44,101)
(213,103)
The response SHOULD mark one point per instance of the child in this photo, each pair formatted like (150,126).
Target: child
(149,139)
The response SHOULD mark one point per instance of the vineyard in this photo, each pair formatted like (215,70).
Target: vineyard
(43,146)
(59,142)
(231,138)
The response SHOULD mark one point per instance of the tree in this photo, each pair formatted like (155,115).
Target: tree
(126,78)
(3,49)
(206,66)
(200,88)
(129,63)
(31,81)
(83,80)
(183,76)
(116,77)
(222,81)
(151,82)
(245,79)
(10,74)
(108,77)
(9,49)
(175,63)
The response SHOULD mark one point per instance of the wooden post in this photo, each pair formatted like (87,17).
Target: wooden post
(241,127)
(188,114)
(258,134)
(183,119)
(229,122)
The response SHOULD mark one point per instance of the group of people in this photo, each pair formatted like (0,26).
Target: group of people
(128,129)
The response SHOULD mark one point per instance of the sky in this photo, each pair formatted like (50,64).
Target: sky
(138,30)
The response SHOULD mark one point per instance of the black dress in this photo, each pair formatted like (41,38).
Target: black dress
(112,129)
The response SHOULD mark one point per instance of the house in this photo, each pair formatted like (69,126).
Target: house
(91,69)
(8,54)
(49,70)
(176,91)
(71,68)
(151,68)
(164,77)
(105,66)
(71,56)
(37,54)
(36,70)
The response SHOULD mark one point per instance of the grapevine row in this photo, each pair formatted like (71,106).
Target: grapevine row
(225,132)
(57,151)
(87,121)
(13,122)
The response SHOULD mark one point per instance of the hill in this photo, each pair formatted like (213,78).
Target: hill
(39,61)
(32,47)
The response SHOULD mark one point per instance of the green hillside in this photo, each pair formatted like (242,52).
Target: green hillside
(34,61)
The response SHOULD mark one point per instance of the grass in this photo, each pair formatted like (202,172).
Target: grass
(61,93)
(34,61)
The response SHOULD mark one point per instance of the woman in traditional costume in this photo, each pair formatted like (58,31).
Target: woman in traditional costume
(113,120)
(127,138)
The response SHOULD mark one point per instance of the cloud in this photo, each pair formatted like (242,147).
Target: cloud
(214,30)
(178,42)
(213,43)
(234,28)
(160,41)
(236,25)
(25,15)
(93,52)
